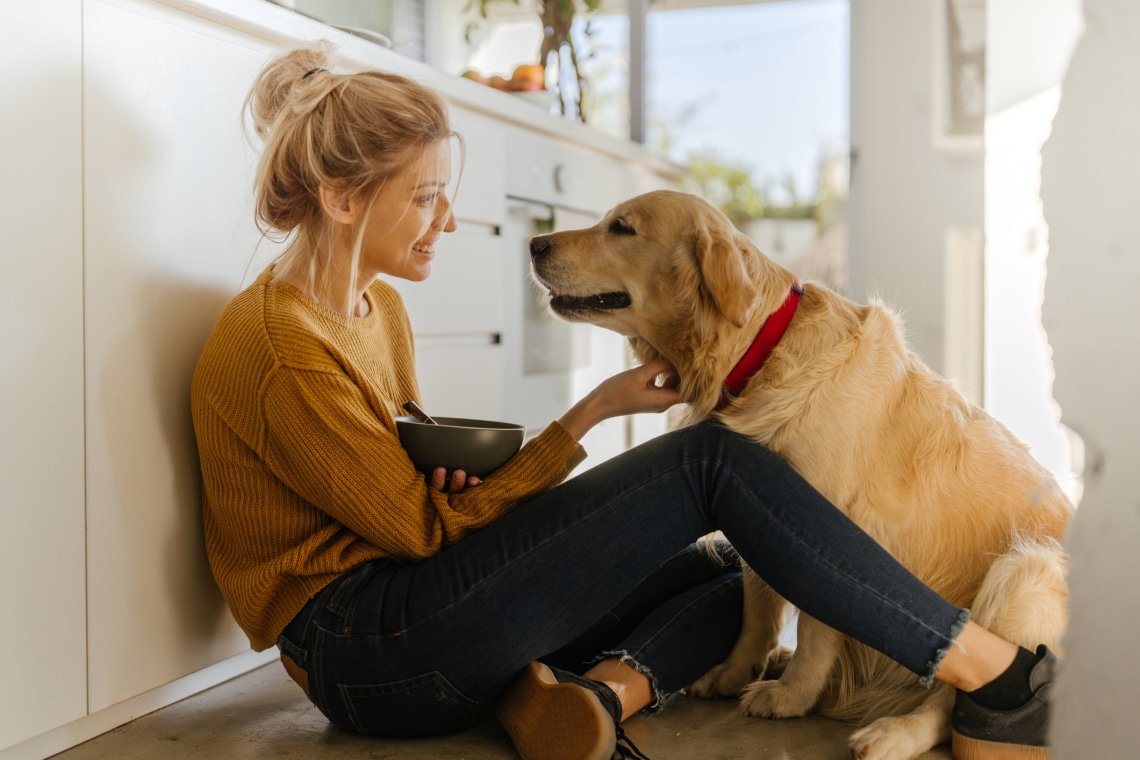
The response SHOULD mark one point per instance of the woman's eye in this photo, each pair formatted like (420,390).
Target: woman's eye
(427,200)
(620,226)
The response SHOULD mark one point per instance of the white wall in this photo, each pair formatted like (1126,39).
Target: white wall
(1092,314)
(905,191)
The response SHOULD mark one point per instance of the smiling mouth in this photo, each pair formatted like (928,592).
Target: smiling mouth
(600,301)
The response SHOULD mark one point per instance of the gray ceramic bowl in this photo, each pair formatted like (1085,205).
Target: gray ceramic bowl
(478,447)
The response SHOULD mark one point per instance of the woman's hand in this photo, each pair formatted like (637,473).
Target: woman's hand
(459,481)
(630,392)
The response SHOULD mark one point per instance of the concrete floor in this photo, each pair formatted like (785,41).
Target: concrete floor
(263,714)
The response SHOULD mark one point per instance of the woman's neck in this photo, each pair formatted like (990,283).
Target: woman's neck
(332,289)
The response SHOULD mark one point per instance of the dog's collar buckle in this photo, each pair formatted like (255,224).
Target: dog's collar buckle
(766,340)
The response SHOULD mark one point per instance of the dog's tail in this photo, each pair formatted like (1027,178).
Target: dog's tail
(1025,595)
(867,686)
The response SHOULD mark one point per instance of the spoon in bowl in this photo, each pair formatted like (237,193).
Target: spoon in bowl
(414,409)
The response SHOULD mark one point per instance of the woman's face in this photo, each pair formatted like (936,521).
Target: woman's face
(407,219)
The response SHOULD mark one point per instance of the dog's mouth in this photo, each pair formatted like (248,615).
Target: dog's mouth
(567,304)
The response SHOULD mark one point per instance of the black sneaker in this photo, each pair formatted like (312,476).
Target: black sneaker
(980,733)
(553,714)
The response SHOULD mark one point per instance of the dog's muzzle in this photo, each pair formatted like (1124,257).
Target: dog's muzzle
(540,248)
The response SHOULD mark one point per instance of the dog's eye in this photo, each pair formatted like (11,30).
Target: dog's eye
(620,226)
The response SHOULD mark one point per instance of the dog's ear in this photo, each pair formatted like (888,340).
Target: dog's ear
(724,270)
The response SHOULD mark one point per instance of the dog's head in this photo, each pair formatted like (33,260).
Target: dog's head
(670,272)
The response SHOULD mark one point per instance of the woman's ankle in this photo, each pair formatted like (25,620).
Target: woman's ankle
(976,658)
(631,686)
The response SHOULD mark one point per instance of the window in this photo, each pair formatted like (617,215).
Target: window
(754,98)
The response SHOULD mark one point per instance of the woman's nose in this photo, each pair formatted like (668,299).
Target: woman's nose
(445,220)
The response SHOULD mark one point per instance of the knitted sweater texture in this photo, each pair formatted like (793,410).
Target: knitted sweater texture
(303,475)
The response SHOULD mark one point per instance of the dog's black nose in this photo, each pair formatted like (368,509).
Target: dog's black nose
(538,247)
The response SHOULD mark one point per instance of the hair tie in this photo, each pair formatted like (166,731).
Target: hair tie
(311,72)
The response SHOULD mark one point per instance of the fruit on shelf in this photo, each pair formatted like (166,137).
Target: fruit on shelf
(528,77)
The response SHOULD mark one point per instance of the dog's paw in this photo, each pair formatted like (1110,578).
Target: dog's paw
(886,739)
(773,699)
(725,680)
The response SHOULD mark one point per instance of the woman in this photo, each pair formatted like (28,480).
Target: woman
(407,606)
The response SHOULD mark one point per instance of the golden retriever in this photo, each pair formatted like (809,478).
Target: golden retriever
(939,483)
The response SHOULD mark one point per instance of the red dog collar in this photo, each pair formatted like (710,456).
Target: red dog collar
(770,333)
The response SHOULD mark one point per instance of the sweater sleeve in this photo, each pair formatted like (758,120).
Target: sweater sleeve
(328,444)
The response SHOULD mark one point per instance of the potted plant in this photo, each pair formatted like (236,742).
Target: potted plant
(557,18)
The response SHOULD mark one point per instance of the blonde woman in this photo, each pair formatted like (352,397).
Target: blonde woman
(408,605)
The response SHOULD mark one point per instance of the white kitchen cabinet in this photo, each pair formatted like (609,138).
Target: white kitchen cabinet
(169,238)
(464,294)
(457,320)
(555,172)
(461,377)
(41,377)
(481,191)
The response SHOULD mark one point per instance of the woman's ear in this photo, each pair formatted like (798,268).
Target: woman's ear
(339,205)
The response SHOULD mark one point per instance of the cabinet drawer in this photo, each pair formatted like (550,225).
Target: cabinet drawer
(460,377)
(540,168)
(464,294)
(481,192)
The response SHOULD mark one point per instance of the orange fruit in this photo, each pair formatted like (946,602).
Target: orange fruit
(528,76)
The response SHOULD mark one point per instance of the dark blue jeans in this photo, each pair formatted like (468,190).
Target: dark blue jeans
(426,648)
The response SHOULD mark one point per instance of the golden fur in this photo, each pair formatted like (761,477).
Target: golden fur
(939,483)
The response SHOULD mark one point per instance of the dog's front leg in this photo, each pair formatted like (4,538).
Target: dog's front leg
(799,688)
(757,649)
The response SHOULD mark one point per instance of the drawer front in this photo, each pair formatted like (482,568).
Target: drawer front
(540,168)
(464,294)
(478,169)
(461,377)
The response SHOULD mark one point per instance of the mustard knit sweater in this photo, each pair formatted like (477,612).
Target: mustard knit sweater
(303,475)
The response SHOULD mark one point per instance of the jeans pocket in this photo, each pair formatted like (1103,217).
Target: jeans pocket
(420,706)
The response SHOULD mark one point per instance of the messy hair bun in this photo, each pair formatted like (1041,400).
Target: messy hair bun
(348,131)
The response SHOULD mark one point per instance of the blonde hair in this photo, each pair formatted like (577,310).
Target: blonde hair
(350,132)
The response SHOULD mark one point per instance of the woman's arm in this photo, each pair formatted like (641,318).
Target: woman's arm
(630,392)
(329,445)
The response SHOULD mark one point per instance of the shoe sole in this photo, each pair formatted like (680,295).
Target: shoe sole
(967,748)
(548,720)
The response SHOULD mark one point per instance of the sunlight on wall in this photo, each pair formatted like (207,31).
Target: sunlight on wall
(1018,359)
